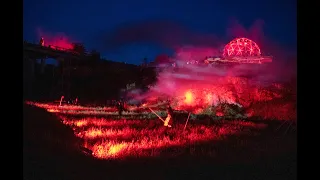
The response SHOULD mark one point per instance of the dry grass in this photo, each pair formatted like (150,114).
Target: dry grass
(108,138)
(275,110)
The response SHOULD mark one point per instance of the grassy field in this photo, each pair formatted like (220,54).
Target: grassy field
(137,146)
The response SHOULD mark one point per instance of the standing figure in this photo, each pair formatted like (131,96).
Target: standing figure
(61,99)
(168,120)
(76,101)
(42,41)
(120,107)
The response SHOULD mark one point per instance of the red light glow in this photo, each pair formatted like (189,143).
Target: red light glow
(56,41)
(189,98)
(110,139)
(241,47)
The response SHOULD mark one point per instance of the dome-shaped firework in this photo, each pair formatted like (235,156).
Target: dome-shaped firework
(242,47)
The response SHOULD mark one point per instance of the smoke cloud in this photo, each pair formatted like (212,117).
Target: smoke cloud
(218,80)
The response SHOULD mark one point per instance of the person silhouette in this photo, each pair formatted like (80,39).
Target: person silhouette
(42,41)
(168,121)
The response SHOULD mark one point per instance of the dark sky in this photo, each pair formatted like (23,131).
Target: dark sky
(128,30)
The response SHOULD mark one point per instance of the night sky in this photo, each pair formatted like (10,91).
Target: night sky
(129,30)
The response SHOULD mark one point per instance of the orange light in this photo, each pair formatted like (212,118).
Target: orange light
(52,110)
(189,97)
(81,123)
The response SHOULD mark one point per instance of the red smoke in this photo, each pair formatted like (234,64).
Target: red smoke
(59,40)
(196,87)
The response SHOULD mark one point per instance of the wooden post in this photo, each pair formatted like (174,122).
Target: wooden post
(186,122)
